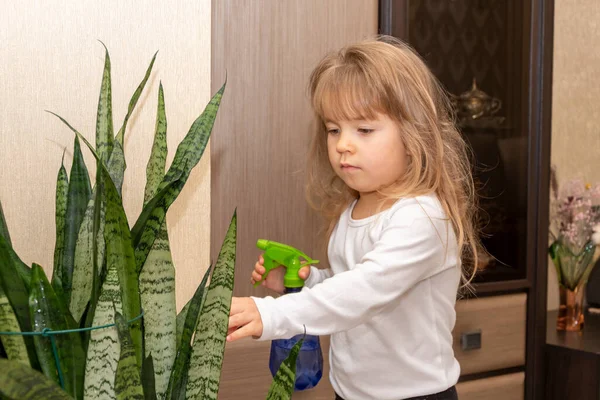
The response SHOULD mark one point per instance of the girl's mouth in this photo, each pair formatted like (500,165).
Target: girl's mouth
(349,168)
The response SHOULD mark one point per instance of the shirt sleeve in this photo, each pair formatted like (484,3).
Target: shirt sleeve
(405,254)
(317,276)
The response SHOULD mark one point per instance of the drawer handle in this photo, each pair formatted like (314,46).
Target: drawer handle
(470,340)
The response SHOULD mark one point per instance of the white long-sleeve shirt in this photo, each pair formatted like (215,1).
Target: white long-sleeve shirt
(387,301)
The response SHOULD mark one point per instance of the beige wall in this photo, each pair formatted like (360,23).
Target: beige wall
(576,99)
(50,59)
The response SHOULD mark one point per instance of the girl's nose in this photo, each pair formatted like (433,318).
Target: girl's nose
(344,143)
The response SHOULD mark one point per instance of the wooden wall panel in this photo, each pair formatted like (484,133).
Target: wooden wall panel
(260,141)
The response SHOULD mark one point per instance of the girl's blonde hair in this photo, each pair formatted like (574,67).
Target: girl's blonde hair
(384,75)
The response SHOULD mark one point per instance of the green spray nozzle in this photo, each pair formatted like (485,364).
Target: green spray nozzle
(277,254)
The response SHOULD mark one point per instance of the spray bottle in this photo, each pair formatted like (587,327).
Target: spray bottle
(309,365)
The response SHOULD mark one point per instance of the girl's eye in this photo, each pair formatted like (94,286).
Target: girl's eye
(365,131)
(333,131)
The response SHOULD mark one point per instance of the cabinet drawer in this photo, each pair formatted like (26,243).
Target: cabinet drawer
(503,387)
(490,333)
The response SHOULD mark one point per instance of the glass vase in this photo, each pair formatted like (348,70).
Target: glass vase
(573,267)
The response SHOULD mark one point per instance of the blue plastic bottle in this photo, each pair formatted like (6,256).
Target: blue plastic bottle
(309,365)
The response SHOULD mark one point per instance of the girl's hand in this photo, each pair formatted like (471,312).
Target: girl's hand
(244,319)
(274,280)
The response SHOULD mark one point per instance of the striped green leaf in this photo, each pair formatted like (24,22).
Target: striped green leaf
(157,278)
(180,320)
(209,342)
(116,166)
(148,382)
(116,163)
(62,190)
(22,269)
(282,386)
(157,290)
(46,312)
(77,199)
(14,346)
(4,227)
(103,349)
(98,252)
(119,251)
(128,384)
(104,120)
(134,99)
(188,154)
(178,376)
(155,170)
(17,293)
(89,242)
(18,381)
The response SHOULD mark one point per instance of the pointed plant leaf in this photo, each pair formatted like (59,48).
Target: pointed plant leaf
(148,379)
(155,170)
(157,291)
(62,190)
(18,295)
(116,163)
(188,154)
(14,345)
(98,253)
(116,166)
(209,342)
(18,381)
(119,252)
(128,384)
(104,120)
(84,264)
(282,386)
(134,100)
(103,348)
(178,376)
(4,227)
(77,199)
(157,278)
(47,313)
(22,269)
(180,321)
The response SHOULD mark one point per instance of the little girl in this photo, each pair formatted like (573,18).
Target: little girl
(391,175)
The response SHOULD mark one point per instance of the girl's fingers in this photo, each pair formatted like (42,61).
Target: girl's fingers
(237,306)
(237,320)
(256,276)
(247,330)
(258,268)
(261,260)
(304,272)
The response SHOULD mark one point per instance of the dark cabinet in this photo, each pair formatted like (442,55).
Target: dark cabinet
(494,57)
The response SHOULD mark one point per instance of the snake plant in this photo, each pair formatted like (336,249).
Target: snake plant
(105,273)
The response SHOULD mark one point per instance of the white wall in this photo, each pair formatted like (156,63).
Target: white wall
(50,59)
(575,99)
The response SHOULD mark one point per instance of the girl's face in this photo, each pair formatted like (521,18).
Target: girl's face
(366,154)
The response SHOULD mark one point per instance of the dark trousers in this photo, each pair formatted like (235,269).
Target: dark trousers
(448,394)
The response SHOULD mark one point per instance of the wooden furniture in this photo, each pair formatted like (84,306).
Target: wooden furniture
(506,48)
(573,360)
